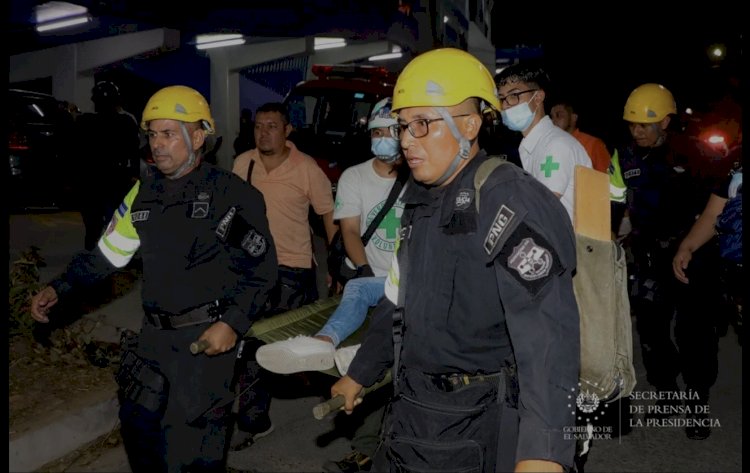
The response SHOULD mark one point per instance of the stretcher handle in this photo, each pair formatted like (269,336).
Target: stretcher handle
(198,347)
(324,408)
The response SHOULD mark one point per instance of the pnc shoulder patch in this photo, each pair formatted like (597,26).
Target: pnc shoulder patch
(498,227)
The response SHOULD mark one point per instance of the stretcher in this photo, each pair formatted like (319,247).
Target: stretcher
(306,320)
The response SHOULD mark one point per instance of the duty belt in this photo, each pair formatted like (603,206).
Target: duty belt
(452,382)
(210,312)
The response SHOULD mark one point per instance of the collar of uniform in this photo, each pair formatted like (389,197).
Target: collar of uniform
(530,141)
(182,187)
(417,193)
(464,180)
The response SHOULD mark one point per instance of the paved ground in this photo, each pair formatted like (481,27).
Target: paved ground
(301,444)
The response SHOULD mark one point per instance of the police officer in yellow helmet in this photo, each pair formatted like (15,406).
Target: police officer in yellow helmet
(661,199)
(479,306)
(208,265)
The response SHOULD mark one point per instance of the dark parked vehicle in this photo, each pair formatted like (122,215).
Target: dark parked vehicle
(329,114)
(39,151)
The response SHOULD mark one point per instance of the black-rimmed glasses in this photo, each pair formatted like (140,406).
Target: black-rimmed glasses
(420,127)
(513,98)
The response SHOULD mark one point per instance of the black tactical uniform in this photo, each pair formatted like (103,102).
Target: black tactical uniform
(487,296)
(663,200)
(207,251)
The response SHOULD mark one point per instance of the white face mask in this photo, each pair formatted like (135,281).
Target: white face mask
(518,117)
(386,149)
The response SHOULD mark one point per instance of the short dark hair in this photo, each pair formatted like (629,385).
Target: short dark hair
(567,102)
(274,107)
(528,72)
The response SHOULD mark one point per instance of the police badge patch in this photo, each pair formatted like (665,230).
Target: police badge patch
(254,243)
(530,260)
(464,198)
(200,210)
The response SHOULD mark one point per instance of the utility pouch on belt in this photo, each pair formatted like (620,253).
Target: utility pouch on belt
(141,383)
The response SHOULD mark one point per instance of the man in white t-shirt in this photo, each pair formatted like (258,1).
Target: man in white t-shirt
(362,192)
(547,152)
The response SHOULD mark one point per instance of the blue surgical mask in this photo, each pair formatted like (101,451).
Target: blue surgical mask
(519,117)
(386,149)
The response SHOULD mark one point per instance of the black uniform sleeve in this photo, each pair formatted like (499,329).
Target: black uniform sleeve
(530,242)
(86,268)
(244,230)
(375,356)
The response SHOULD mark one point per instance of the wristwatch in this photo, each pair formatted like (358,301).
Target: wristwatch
(364,270)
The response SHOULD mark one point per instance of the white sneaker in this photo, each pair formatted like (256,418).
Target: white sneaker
(344,356)
(300,353)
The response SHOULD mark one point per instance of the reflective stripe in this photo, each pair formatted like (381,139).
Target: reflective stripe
(118,260)
(616,194)
(617,185)
(121,242)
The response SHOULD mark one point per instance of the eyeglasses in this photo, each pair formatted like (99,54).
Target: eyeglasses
(513,99)
(384,132)
(420,127)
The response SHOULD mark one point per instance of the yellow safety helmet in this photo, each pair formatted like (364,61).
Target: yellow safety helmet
(443,78)
(649,103)
(178,102)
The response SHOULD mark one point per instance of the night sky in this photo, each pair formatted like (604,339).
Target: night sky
(600,60)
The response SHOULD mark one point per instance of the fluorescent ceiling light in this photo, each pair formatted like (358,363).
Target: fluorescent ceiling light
(221,44)
(56,15)
(56,25)
(329,43)
(208,41)
(394,54)
(384,57)
(51,11)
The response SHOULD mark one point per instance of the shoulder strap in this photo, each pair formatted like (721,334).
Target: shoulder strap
(392,196)
(250,170)
(484,171)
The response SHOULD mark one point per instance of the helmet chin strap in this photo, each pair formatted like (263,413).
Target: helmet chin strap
(464,146)
(191,155)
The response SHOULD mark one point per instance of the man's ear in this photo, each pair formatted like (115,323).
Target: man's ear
(287,129)
(472,126)
(199,137)
(665,122)
(541,94)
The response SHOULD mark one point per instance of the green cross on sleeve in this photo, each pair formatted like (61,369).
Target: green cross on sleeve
(548,166)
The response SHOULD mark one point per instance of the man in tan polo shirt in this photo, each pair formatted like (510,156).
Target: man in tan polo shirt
(291,182)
